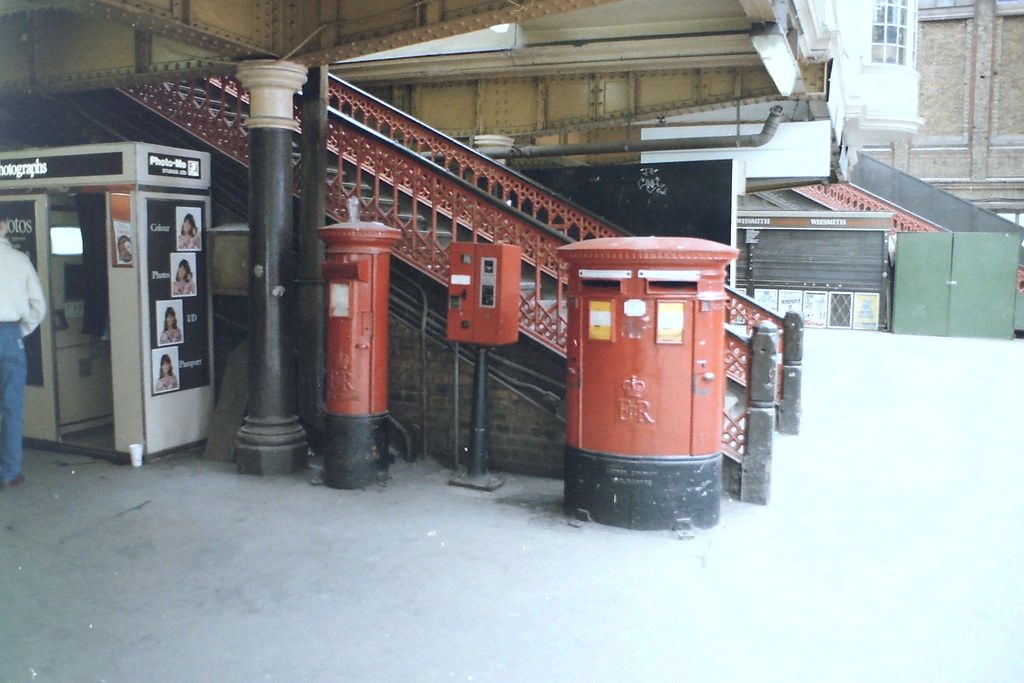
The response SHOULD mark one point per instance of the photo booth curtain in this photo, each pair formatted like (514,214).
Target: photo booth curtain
(92,218)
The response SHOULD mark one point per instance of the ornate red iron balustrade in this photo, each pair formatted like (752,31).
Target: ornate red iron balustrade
(511,188)
(213,110)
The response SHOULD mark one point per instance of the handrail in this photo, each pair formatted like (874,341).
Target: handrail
(742,310)
(516,190)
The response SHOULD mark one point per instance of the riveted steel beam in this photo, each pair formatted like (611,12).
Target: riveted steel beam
(545,105)
(66,45)
(54,50)
(227,28)
(351,30)
(316,32)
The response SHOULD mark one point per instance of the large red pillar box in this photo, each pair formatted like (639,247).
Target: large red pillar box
(645,380)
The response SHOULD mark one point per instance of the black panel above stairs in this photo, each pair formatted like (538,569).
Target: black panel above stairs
(681,199)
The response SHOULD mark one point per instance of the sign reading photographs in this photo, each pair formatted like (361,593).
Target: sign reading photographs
(21,233)
(173,166)
(179,338)
(67,166)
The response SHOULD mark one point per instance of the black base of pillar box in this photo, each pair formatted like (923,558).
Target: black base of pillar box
(265,447)
(355,450)
(650,492)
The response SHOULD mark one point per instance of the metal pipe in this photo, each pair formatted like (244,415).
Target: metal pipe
(478,450)
(456,425)
(771,125)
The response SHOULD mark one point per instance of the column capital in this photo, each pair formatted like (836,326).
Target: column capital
(272,85)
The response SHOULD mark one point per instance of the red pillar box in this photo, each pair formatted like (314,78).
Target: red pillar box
(357,271)
(645,380)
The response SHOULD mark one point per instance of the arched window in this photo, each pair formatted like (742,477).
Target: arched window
(890,32)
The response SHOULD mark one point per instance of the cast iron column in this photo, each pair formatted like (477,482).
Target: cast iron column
(270,440)
(311,255)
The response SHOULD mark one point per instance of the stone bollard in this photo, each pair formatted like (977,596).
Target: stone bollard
(792,373)
(755,478)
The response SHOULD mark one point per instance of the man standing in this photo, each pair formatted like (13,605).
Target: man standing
(22,308)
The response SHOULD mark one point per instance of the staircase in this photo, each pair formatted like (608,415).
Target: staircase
(436,190)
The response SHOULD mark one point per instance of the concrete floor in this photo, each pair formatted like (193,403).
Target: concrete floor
(891,551)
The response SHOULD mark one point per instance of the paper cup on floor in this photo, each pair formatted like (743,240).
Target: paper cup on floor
(136,452)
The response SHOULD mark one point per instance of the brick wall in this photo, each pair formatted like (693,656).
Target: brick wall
(1008,113)
(525,438)
(943,60)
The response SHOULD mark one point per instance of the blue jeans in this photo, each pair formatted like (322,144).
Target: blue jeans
(12,399)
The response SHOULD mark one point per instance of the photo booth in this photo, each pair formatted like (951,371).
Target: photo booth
(117,233)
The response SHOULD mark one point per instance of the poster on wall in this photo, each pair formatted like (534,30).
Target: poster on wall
(21,233)
(791,300)
(865,311)
(767,298)
(124,249)
(815,309)
(179,338)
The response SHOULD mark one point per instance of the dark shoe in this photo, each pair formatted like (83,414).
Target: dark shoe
(20,479)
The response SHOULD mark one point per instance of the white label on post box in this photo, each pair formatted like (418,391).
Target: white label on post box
(634,308)
(681,275)
(458,279)
(594,274)
(339,300)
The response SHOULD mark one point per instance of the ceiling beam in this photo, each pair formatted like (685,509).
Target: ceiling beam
(549,103)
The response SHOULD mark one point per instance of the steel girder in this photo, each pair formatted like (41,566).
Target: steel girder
(64,45)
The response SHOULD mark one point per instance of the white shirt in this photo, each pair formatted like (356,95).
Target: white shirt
(21,294)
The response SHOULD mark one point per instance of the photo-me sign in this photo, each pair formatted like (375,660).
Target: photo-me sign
(173,166)
(67,166)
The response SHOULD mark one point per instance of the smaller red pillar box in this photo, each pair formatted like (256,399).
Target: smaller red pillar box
(645,382)
(357,272)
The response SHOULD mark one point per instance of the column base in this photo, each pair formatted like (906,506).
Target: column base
(265,447)
(643,492)
(355,450)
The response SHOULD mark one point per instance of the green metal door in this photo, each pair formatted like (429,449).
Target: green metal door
(955,284)
(921,293)
(1018,317)
(984,273)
